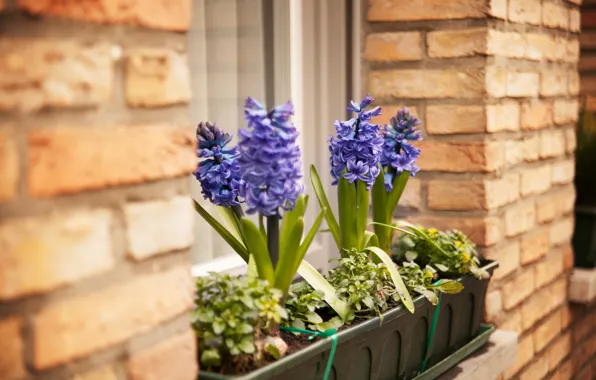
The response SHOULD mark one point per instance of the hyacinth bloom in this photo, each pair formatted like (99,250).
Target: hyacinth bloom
(357,145)
(218,172)
(270,159)
(398,154)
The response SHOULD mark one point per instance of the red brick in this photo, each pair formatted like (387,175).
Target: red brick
(447,119)
(566,111)
(568,258)
(525,353)
(531,148)
(9,165)
(549,268)
(77,326)
(506,44)
(563,172)
(574,84)
(173,359)
(42,254)
(572,51)
(156,78)
(473,195)
(498,9)
(541,303)
(555,15)
(393,46)
(519,219)
(496,82)
(456,43)
(582,328)
(537,369)
(534,245)
(167,15)
(411,195)
(559,351)
(512,322)
(584,374)
(552,144)
(12,365)
(518,289)
(493,305)
(388,111)
(536,115)
(535,180)
(104,373)
(574,20)
(68,160)
(460,157)
(555,204)
(553,82)
(149,227)
(522,84)
(38,73)
(525,11)
(483,231)
(507,255)
(397,10)
(565,371)
(561,231)
(570,140)
(427,84)
(503,117)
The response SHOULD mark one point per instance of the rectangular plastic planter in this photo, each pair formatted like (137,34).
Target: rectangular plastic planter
(584,237)
(392,350)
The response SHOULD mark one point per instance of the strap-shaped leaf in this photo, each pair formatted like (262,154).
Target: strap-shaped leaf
(285,269)
(318,282)
(399,184)
(370,239)
(231,220)
(262,226)
(301,252)
(288,221)
(257,246)
(346,198)
(324,203)
(379,203)
(406,299)
(229,238)
(362,199)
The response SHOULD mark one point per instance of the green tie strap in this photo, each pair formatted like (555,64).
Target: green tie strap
(431,335)
(319,334)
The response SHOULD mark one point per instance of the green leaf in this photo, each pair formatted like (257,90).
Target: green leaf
(448,286)
(429,294)
(273,350)
(301,252)
(218,326)
(370,239)
(399,184)
(333,323)
(262,227)
(210,358)
(324,203)
(289,220)
(247,347)
(285,269)
(252,271)
(379,203)
(362,199)
(258,248)
(346,195)
(313,317)
(318,282)
(441,267)
(231,220)
(229,238)
(405,297)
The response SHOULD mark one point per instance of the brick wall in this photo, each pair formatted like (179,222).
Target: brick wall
(587,62)
(95,218)
(496,85)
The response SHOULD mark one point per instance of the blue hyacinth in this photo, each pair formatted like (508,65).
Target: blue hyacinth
(269,159)
(357,146)
(218,173)
(398,154)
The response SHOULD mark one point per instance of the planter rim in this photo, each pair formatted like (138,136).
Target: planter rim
(323,345)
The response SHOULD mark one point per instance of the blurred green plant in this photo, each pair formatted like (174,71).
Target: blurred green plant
(422,281)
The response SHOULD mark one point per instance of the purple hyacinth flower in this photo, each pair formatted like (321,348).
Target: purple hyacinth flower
(357,145)
(398,154)
(218,173)
(270,159)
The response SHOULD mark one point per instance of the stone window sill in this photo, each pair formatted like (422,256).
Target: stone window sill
(488,363)
(582,287)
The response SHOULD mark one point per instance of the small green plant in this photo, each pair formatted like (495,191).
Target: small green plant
(235,317)
(450,252)
(302,304)
(422,281)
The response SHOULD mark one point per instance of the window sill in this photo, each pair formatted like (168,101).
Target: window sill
(490,362)
(582,287)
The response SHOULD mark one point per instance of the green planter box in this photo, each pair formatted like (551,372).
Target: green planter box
(394,349)
(584,237)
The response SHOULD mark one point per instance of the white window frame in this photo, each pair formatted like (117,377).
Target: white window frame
(311,69)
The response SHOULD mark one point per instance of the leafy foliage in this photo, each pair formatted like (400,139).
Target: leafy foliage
(366,286)
(451,253)
(231,314)
(422,281)
(303,303)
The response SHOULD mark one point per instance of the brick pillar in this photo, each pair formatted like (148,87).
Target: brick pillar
(95,217)
(495,83)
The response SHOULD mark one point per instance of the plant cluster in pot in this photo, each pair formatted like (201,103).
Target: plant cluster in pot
(584,236)
(359,321)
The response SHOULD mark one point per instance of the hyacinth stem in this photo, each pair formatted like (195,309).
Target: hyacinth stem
(273,238)
(237,210)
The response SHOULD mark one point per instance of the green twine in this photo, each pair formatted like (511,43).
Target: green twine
(318,334)
(433,327)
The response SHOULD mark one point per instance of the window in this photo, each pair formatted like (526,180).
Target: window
(272,50)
